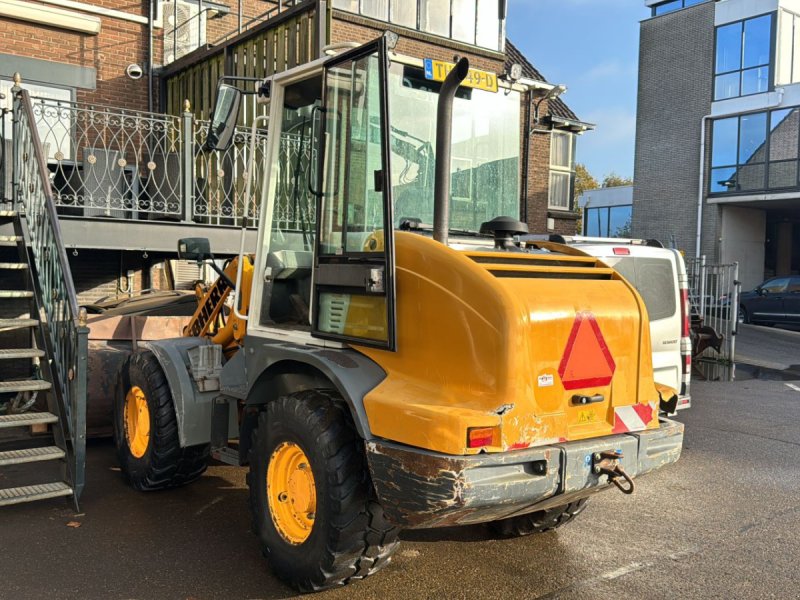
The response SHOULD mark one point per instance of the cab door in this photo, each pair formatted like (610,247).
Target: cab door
(353,280)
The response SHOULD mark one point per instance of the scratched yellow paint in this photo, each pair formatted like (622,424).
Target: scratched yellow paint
(472,344)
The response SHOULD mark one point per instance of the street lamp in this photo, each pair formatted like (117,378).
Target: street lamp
(551,94)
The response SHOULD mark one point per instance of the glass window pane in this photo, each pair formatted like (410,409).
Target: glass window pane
(784,134)
(757,41)
(785,49)
(776,285)
(755,81)
(348,5)
(354,315)
(598,222)
(560,150)
(752,138)
(488,24)
(619,222)
(751,177)
(559,189)
(727,86)
(725,140)
(404,12)
(668,7)
(729,48)
(485,163)
(723,180)
(783,174)
(377,9)
(688,3)
(352,206)
(434,17)
(590,224)
(464,20)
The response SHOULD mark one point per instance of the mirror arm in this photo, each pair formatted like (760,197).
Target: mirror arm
(219,272)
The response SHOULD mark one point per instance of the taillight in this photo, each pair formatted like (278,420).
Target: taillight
(622,251)
(684,312)
(687,364)
(478,437)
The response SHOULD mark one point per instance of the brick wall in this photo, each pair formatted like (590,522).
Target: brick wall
(675,92)
(103,273)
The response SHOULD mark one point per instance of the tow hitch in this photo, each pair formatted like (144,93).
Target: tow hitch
(607,463)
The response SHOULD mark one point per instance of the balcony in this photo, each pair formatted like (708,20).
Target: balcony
(128,180)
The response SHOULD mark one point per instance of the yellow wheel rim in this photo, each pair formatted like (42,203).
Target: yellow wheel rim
(291,493)
(137,421)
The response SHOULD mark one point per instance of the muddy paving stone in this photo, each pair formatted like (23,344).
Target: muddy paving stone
(724,522)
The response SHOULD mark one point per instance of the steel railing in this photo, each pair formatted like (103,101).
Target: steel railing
(63,325)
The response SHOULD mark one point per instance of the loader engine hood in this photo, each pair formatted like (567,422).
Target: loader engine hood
(511,350)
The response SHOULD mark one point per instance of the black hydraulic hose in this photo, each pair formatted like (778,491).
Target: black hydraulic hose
(444,141)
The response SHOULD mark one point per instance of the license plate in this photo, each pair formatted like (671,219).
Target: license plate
(437,70)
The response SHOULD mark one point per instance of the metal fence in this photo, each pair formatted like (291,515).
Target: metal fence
(714,297)
(105,162)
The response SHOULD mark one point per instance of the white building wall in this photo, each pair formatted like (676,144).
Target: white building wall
(742,239)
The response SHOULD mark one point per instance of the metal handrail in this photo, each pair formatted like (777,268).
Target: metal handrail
(65,334)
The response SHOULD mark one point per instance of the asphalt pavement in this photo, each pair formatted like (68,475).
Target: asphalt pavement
(724,522)
(776,348)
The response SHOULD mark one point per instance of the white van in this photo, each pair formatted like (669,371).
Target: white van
(659,274)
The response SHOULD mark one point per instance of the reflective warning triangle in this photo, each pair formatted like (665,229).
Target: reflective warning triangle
(587,361)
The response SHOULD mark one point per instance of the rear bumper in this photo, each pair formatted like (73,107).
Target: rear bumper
(425,489)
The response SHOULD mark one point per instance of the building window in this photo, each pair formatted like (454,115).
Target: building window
(743,58)
(673,5)
(475,22)
(607,221)
(755,152)
(562,170)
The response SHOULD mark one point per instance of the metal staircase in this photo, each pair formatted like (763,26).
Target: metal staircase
(43,337)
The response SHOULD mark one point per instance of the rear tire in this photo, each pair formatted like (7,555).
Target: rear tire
(348,536)
(743,316)
(151,458)
(539,521)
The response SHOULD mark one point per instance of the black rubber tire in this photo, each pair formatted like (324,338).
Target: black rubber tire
(538,522)
(351,538)
(165,464)
(743,316)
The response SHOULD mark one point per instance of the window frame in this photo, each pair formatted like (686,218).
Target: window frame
(500,42)
(562,170)
(767,162)
(771,64)
(682,3)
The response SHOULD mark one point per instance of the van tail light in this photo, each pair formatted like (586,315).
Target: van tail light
(687,364)
(685,313)
(622,251)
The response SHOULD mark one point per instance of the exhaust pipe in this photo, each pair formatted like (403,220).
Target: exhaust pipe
(444,141)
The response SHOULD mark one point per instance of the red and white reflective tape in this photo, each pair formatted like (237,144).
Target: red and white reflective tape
(633,418)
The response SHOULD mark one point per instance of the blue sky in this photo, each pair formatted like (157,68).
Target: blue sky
(591,46)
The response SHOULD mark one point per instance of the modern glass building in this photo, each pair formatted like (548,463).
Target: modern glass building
(718,132)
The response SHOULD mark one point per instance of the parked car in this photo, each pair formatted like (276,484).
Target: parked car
(659,275)
(775,301)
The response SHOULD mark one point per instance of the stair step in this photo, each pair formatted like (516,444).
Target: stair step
(27,419)
(10,240)
(9,353)
(29,455)
(29,493)
(6,324)
(24,385)
(8,213)
(15,293)
(8,266)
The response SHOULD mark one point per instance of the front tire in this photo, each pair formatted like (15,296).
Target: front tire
(539,521)
(313,506)
(146,429)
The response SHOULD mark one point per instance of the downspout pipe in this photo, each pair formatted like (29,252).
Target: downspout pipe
(701,188)
(444,142)
(150,61)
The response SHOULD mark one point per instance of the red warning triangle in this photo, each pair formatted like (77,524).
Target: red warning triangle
(587,361)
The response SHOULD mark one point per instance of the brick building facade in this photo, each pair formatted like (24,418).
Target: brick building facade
(105,58)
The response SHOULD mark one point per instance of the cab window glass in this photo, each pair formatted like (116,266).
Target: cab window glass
(776,285)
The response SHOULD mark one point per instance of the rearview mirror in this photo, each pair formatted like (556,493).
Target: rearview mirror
(223,121)
(198,249)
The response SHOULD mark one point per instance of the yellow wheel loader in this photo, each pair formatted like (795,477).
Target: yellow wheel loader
(376,372)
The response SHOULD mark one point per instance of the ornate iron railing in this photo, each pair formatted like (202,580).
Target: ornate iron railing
(295,205)
(64,333)
(220,184)
(107,162)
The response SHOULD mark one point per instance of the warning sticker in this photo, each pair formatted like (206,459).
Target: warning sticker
(545,380)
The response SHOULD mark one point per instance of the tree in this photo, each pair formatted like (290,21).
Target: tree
(584,181)
(615,180)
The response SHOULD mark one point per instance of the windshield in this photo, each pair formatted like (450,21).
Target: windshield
(486,146)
